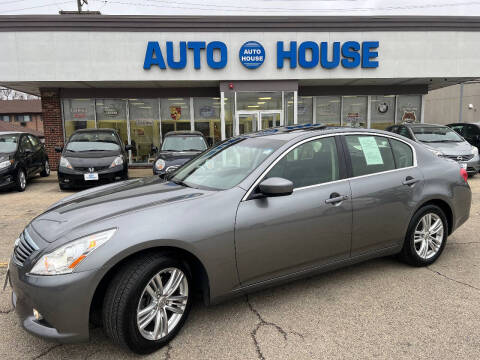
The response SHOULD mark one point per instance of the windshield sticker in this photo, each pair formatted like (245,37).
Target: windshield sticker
(371,152)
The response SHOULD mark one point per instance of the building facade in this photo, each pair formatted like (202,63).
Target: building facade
(225,76)
(24,114)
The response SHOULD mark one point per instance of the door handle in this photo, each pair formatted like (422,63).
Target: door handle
(336,199)
(409,181)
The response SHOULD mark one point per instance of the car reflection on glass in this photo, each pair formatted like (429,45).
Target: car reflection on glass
(253,211)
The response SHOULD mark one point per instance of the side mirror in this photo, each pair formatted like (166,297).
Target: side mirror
(154,149)
(28,151)
(128,147)
(276,186)
(59,149)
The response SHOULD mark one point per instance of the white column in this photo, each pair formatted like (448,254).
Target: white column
(341,110)
(129,136)
(395,113)
(222,115)
(235,117)
(160,122)
(192,115)
(422,110)
(295,107)
(314,109)
(369,112)
(282,119)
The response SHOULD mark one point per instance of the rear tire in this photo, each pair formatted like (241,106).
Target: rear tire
(127,296)
(46,169)
(21,180)
(426,236)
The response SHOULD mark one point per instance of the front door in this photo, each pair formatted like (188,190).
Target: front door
(247,121)
(275,236)
(269,119)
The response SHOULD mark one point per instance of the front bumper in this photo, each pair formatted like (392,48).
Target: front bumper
(7,177)
(473,165)
(75,178)
(63,300)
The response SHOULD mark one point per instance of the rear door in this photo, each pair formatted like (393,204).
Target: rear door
(386,185)
(276,236)
(37,159)
(27,154)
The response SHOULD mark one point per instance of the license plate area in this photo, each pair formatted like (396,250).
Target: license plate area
(463,165)
(90,176)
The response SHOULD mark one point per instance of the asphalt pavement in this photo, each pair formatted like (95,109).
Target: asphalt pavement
(378,309)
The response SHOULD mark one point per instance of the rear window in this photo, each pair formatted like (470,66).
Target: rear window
(403,154)
(8,143)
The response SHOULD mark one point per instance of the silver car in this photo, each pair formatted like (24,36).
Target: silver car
(442,141)
(251,212)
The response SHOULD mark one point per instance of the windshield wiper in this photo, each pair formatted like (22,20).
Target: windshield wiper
(180,182)
(192,150)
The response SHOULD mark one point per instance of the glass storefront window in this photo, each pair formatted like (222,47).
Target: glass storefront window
(207,117)
(78,114)
(111,113)
(259,100)
(175,114)
(328,110)
(382,112)
(304,109)
(144,129)
(355,111)
(409,108)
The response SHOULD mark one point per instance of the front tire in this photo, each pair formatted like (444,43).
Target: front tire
(147,302)
(46,169)
(21,180)
(426,236)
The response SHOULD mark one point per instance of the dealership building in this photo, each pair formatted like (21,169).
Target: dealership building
(225,76)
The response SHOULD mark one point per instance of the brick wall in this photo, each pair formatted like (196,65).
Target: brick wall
(52,123)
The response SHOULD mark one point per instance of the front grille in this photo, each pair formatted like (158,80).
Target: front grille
(460,157)
(24,247)
(89,169)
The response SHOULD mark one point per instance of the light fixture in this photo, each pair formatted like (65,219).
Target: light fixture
(175,99)
(137,103)
(261,102)
(144,107)
(253,106)
(265,98)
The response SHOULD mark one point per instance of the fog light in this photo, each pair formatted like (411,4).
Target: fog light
(66,180)
(37,315)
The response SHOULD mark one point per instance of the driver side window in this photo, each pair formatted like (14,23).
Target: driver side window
(311,163)
(25,144)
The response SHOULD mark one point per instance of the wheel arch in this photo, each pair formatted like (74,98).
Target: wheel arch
(198,272)
(446,208)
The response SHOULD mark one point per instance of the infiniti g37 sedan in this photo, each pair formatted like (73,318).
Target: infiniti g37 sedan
(253,211)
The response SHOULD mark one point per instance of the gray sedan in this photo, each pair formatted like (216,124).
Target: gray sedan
(254,211)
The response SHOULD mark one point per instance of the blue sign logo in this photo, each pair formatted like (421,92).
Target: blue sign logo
(252,54)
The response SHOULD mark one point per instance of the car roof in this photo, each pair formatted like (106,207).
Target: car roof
(308,130)
(183,132)
(12,132)
(95,130)
(423,125)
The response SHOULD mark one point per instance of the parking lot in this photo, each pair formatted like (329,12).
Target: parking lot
(379,309)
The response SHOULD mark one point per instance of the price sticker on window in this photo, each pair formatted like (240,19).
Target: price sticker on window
(370,149)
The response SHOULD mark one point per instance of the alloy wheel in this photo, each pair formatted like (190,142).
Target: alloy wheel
(428,236)
(162,303)
(22,179)
(47,168)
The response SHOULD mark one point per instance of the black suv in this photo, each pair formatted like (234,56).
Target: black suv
(178,147)
(470,132)
(22,156)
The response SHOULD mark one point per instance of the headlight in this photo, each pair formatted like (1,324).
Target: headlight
(65,163)
(64,259)
(474,151)
(118,161)
(160,164)
(5,164)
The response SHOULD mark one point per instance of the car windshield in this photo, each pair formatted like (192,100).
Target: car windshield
(8,143)
(227,164)
(430,134)
(93,141)
(184,143)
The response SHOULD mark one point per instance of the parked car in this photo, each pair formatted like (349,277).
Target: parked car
(92,157)
(442,141)
(254,211)
(22,156)
(177,148)
(470,132)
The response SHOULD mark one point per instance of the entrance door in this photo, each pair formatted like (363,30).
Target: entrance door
(269,119)
(247,121)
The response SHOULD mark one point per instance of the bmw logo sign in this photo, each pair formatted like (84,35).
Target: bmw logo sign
(252,54)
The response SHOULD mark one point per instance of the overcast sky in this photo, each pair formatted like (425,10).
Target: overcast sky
(248,7)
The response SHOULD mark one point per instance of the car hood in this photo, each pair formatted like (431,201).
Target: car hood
(90,154)
(5,156)
(177,155)
(106,202)
(451,148)
(93,159)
